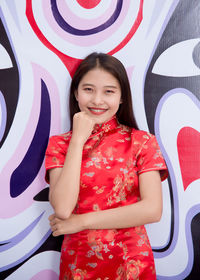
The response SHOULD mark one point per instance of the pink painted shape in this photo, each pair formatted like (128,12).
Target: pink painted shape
(45,275)
(188,144)
(89,4)
(129,71)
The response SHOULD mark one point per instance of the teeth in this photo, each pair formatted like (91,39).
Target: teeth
(97,110)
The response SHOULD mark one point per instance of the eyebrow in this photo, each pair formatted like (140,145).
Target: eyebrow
(107,86)
(83,85)
(111,86)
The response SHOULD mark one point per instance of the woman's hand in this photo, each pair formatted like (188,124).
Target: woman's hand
(68,226)
(82,127)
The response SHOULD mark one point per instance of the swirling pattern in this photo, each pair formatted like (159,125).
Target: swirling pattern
(9,91)
(79,32)
(110,31)
(7,244)
(28,169)
(185,200)
(45,41)
(46,266)
(175,112)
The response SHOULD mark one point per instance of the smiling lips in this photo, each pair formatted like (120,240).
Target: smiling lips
(97,111)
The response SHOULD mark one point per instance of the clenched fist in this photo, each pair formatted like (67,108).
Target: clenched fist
(82,127)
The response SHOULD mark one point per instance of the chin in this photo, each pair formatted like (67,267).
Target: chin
(101,120)
(98,121)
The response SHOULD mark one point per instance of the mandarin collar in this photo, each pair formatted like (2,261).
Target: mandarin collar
(107,126)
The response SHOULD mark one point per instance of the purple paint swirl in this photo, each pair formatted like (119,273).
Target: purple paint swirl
(75,31)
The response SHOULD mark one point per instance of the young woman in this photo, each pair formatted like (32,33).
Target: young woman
(105,179)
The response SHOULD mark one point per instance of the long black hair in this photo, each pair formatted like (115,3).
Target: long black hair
(112,65)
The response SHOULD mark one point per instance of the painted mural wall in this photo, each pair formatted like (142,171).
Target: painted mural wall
(41,43)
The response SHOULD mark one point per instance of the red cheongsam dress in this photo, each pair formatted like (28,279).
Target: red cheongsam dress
(113,158)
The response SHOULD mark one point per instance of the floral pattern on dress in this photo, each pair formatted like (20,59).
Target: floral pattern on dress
(113,157)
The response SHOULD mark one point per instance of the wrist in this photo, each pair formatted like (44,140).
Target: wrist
(84,221)
(76,142)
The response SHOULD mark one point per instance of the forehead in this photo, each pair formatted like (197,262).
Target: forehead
(99,76)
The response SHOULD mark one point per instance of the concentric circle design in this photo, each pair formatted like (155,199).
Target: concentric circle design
(74,29)
(80,32)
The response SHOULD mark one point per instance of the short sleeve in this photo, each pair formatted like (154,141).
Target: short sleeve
(55,154)
(150,158)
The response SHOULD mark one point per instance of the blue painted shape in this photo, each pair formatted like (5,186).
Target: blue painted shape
(29,167)
(80,32)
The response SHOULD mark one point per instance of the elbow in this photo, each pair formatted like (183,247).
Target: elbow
(62,214)
(62,208)
(155,215)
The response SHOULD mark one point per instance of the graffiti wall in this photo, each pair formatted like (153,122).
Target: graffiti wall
(41,43)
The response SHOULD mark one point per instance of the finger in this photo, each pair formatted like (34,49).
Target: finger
(52,223)
(53,228)
(51,217)
(56,233)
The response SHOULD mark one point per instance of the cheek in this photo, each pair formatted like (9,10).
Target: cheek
(82,99)
(115,103)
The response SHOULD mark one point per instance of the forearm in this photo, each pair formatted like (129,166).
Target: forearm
(64,193)
(65,184)
(136,214)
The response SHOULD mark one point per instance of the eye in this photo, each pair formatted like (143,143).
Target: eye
(179,60)
(88,89)
(109,91)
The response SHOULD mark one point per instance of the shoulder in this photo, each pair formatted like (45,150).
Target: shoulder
(62,138)
(60,142)
(141,135)
(142,140)
(135,133)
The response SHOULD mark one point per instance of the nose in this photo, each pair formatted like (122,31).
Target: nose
(97,98)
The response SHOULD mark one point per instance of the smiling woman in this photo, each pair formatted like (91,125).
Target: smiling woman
(104,178)
(99,95)
(113,82)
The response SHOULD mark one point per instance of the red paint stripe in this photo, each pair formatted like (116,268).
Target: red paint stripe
(132,31)
(188,145)
(69,62)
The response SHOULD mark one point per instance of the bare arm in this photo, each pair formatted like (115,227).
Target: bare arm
(147,210)
(65,182)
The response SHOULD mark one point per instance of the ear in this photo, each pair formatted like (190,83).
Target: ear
(121,101)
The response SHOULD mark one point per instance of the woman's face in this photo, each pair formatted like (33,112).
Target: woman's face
(99,95)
